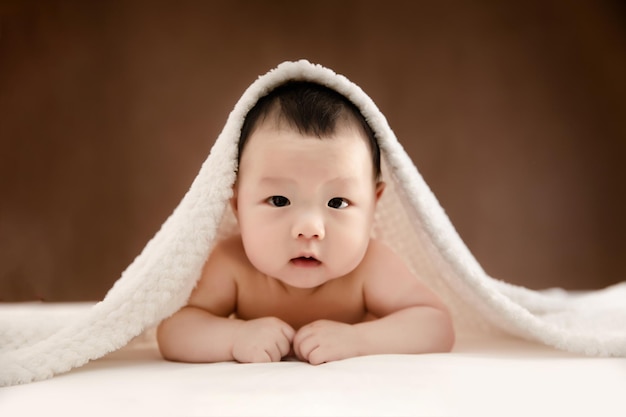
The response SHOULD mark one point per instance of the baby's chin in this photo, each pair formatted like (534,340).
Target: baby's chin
(303,280)
(304,283)
(304,274)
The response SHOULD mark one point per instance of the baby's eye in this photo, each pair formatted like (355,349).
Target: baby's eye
(338,203)
(278,201)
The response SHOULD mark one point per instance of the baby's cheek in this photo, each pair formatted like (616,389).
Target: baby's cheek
(259,258)
(350,253)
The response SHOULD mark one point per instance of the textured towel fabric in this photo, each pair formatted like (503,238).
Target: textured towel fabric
(409,218)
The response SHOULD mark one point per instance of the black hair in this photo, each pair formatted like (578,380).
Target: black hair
(311,108)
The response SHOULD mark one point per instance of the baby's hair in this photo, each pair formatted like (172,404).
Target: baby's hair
(311,108)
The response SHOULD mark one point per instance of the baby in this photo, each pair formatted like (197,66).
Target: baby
(304,276)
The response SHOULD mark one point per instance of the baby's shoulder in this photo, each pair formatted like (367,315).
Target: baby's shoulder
(229,250)
(227,261)
(379,252)
(378,258)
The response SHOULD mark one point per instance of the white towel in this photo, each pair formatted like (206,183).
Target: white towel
(409,219)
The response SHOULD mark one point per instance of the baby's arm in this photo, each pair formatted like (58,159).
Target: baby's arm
(407,317)
(203,332)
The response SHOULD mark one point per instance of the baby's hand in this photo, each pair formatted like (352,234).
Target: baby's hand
(325,341)
(266,339)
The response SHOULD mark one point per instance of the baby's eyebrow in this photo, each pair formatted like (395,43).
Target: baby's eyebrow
(344,181)
(276,180)
(349,180)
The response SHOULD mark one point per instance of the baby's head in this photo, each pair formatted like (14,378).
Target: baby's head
(308,185)
(311,109)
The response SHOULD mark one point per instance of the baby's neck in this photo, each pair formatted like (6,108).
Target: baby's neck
(296,291)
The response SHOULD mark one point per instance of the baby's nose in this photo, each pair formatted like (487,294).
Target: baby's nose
(309,226)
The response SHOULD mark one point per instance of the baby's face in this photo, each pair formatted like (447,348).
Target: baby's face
(305,205)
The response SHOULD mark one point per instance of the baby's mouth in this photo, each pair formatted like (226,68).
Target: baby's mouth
(305,261)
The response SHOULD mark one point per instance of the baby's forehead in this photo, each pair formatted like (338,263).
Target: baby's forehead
(287,154)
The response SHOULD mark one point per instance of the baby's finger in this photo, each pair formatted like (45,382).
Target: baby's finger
(283,344)
(301,334)
(317,356)
(305,346)
(258,356)
(288,331)
(273,354)
(297,352)
(297,342)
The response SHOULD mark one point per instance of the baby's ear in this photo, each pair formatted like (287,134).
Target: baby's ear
(380,188)
(233,200)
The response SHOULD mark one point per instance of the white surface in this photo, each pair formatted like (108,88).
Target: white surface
(499,377)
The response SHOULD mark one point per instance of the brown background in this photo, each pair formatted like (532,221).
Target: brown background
(513,111)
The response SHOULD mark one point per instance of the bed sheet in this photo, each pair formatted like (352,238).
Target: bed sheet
(482,376)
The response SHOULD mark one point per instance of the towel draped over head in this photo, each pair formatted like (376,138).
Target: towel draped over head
(409,219)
